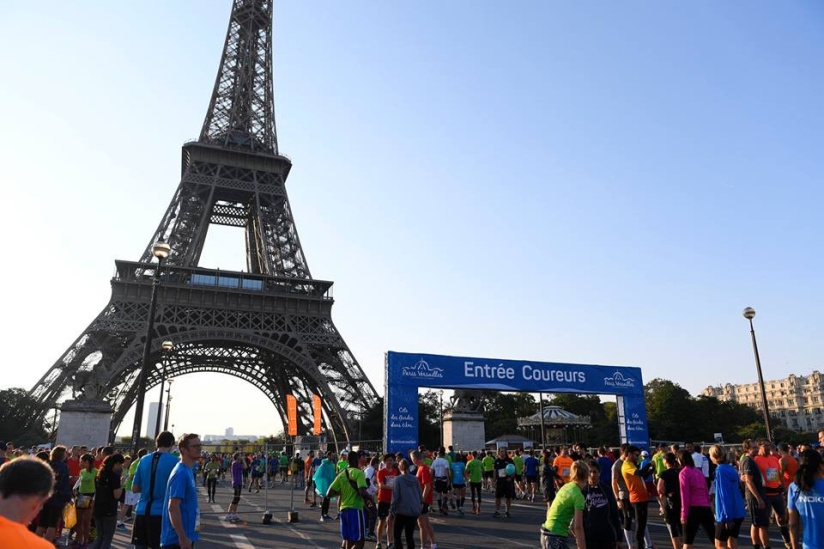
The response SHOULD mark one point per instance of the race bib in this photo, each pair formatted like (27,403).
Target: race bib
(565,472)
(389,483)
(501,472)
(772,474)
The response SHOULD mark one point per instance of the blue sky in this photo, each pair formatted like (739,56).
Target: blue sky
(561,181)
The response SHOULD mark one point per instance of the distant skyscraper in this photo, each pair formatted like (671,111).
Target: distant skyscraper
(150,424)
(230,432)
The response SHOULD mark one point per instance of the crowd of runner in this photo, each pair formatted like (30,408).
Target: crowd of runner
(602,498)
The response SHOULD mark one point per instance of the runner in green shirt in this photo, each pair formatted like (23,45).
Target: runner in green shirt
(568,507)
(518,460)
(351,485)
(474,470)
(284,467)
(211,470)
(342,463)
(488,463)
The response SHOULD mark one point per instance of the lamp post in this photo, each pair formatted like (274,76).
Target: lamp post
(749,314)
(161,251)
(168,407)
(167,348)
(440,397)
(543,428)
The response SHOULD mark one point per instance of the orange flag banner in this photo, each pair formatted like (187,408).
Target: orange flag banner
(292,413)
(317,413)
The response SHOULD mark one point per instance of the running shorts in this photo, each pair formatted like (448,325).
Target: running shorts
(672,517)
(50,516)
(727,530)
(487,474)
(383,509)
(441,485)
(504,489)
(425,509)
(459,486)
(353,524)
(518,478)
(776,502)
(759,517)
(146,531)
(532,479)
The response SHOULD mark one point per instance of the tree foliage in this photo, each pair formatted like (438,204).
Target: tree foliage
(17,409)
(673,414)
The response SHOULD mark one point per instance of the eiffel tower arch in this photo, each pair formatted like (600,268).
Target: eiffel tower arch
(270,325)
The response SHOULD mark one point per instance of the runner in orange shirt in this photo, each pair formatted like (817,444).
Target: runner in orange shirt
(25,484)
(563,464)
(789,465)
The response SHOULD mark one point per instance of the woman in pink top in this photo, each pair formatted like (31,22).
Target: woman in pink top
(695,501)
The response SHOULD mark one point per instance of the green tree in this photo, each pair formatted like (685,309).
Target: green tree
(669,411)
(429,419)
(17,409)
(502,410)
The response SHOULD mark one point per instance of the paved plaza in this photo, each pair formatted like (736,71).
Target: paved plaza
(453,532)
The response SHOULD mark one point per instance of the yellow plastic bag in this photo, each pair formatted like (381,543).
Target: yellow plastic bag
(69,516)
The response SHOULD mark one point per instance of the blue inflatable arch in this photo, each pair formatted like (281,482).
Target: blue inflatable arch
(406,372)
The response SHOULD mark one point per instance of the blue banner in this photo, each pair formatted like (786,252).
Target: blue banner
(406,372)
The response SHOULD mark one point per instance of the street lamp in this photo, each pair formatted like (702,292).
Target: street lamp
(440,396)
(167,348)
(749,314)
(161,251)
(168,407)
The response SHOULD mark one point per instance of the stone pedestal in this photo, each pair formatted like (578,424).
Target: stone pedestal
(464,431)
(84,422)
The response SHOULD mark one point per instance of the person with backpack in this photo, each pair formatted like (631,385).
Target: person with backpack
(150,480)
(351,485)
(405,507)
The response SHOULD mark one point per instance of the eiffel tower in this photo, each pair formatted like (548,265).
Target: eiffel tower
(271,325)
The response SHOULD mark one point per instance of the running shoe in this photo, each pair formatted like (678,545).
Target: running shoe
(371,537)
(322,519)
(379,546)
(496,514)
(122,527)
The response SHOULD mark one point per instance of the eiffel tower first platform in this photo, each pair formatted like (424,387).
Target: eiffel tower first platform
(271,326)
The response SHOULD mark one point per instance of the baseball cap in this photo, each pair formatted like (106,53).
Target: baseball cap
(644,453)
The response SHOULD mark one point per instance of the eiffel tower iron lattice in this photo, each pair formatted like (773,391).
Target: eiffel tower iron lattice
(270,326)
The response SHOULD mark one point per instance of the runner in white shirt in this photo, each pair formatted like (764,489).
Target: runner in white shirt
(441,471)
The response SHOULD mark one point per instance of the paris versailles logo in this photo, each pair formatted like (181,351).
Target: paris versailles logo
(422,370)
(618,380)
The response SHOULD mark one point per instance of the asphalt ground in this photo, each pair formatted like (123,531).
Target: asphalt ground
(452,532)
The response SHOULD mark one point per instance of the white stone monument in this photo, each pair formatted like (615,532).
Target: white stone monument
(464,430)
(84,422)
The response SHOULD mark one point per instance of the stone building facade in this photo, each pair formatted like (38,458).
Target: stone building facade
(798,401)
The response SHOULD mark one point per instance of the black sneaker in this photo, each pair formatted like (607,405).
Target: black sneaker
(496,514)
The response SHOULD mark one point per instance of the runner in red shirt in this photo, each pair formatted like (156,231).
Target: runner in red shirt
(386,482)
(424,475)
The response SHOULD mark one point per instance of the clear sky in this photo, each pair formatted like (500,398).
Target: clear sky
(561,181)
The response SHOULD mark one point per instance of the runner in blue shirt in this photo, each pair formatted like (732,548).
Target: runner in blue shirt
(805,501)
(181,524)
(147,522)
(531,464)
(458,480)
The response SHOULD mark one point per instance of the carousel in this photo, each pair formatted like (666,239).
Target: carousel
(560,426)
